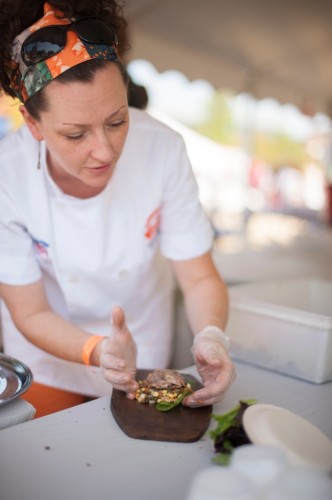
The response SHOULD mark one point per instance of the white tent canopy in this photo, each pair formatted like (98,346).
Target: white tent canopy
(271,49)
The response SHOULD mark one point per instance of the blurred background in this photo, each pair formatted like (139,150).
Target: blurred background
(248,84)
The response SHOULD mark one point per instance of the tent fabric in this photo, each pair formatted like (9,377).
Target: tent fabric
(270,49)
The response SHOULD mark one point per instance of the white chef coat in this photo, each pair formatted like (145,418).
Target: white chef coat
(108,250)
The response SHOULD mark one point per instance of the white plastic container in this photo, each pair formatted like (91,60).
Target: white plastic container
(284,325)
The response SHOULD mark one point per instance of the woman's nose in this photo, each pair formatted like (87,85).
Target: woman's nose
(102,148)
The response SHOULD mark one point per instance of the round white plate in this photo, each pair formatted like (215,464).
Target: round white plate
(301,441)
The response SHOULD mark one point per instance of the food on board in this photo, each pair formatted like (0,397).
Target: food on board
(163,388)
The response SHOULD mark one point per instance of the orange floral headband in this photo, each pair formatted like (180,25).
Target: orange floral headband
(38,57)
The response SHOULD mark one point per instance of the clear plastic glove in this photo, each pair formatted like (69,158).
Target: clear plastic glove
(210,351)
(118,355)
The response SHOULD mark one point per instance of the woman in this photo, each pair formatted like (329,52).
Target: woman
(98,210)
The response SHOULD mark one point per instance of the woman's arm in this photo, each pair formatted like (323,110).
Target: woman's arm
(33,317)
(206,302)
(205,294)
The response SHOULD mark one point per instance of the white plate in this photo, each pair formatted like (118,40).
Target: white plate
(301,441)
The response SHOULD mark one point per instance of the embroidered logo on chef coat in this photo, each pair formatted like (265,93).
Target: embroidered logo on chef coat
(41,248)
(152,225)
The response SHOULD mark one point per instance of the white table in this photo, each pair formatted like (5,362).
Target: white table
(82,454)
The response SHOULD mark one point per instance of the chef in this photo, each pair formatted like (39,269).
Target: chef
(99,216)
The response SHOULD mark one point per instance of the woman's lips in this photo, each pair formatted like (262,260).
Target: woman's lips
(99,170)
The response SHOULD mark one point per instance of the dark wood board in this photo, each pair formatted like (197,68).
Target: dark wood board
(144,421)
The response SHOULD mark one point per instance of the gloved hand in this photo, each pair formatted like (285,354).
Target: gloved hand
(118,355)
(210,351)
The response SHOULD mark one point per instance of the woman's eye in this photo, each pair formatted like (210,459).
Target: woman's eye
(116,124)
(74,137)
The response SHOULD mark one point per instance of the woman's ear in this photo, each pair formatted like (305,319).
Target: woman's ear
(32,123)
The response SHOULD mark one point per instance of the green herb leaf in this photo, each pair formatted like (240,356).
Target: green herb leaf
(222,459)
(169,406)
(226,420)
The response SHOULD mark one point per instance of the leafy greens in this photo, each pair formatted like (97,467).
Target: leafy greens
(229,432)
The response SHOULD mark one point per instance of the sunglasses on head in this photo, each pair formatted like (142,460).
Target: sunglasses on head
(48,41)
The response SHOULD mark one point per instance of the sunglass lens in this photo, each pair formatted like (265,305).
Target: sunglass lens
(42,45)
(96,31)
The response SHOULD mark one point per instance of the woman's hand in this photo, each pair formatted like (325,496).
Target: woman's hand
(118,355)
(210,350)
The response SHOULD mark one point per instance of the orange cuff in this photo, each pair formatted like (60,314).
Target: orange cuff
(89,346)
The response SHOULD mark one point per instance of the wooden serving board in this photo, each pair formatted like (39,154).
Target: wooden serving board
(144,421)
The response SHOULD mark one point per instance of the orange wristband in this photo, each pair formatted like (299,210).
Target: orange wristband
(89,346)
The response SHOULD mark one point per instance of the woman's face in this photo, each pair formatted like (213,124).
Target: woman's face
(84,128)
